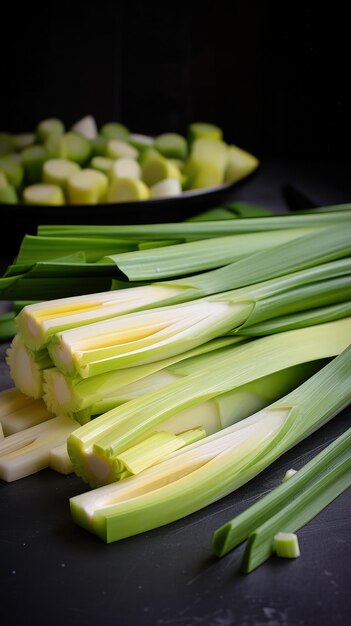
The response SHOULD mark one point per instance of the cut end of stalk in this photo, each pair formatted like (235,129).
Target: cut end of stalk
(25,371)
(37,322)
(289,474)
(220,543)
(57,392)
(286,545)
(12,400)
(60,461)
(27,452)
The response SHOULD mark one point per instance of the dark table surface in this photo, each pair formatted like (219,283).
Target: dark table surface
(54,572)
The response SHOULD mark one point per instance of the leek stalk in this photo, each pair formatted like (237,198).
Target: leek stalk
(277,502)
(213,467)
(147,336)
(200,230)
(94,447)
(83,398)
(37,323)
(298,320)
(317,490)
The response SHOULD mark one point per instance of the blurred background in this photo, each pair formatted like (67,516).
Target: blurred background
(273,75)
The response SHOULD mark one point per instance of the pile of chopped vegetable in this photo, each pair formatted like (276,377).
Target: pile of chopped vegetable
(90,166)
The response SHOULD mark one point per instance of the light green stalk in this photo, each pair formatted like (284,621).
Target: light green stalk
(197,256)
(278,501)
(83,398)
(38,322)
(60,395)
(95,446)
(148,336)
(210,469)
(298,320)
(290,506)
(34,249)
(200,230)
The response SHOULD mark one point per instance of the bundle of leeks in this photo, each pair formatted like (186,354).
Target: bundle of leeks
(175,368)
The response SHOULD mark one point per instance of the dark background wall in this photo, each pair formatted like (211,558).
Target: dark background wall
(274,75)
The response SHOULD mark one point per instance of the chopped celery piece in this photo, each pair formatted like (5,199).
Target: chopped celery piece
(167,188)
(59,460)
(59,171)
(12,169)
(240,164)
(101,164)
(286,545)
(113,130)
(156,168)
(33,159)
(26,367)
(74,147)
(49,127)
(213,467)
(127,190)
(219,374)
(124,167)
(43,194)
(206,164)
(288,474)
(86,127)
(141,142)
(149,153)
(118,149)
(28,451)
(202,130)
(172,146)
(87,187)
